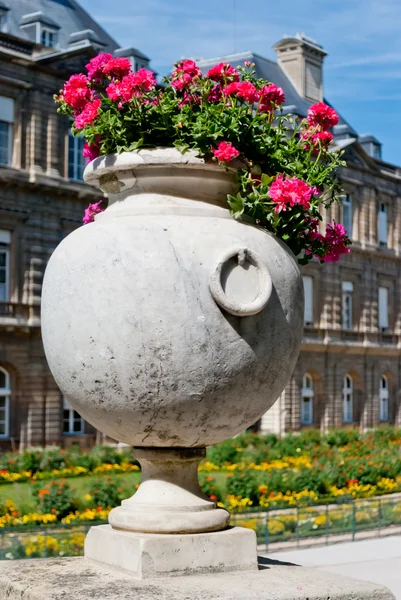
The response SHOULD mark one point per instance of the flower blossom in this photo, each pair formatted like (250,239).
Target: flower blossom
(91,211)
(335,243)
(88,115)
(91,151)
(321,115)
(318,140)
(96,65)
(76,92)
(215,94)
(184,74)
(117,67)
(225,152)
(286,193)
(223,73)
(245,90)
(270,96)
(134,84)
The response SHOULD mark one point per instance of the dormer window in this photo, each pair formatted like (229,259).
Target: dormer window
(3,16)
(48,37)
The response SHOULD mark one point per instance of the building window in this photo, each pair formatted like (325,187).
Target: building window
(348,399)
(307,395)
(383,308)
(5,240)
(382,224)
(384,398)
(5,393)
(308,296)
(73,423)
(347,290)
(48,37)
(76,162)
(347,214)
(6,129)
(3,20)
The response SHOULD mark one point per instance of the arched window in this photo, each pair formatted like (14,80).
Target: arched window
(384,398)
(73,423)
(5,393)
(307,395)
(348,411)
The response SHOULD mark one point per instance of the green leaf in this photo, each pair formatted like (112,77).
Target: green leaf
(266,179)
(181,146)
(236,204)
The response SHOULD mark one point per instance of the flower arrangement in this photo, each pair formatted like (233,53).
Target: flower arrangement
(286,171)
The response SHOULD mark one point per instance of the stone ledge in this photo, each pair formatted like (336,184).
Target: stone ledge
(81,579)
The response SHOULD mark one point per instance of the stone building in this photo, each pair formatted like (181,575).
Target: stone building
(42,199)
(349,369)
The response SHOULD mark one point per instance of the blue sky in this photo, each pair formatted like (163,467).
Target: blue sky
(362,37)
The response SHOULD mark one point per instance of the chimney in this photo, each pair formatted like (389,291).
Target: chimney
(302,61)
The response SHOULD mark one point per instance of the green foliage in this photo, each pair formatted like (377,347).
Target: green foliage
(244,485)
(106,492)
(54,497)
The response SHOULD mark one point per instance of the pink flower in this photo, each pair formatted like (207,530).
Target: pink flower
(270,97)
(91,212)
(88,115)
(247,63)
(76,91)
(117,67)
(245,90)
(223,73)
(289,192)
(322,116)
(184,74)
(95,65)
(225,152)
(336,243)
(215,94)
(316,139)
(91,151)
(134,84)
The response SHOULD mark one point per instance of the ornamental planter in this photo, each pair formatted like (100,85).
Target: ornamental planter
(170,326)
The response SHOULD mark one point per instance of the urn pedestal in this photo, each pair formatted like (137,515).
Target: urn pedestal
(170,326)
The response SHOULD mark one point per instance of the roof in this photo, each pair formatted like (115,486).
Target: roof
(68,15)
(344,133)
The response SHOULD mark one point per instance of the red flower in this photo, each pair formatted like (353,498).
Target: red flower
(289,192)
(212,497)
(321,115)
(91,151)
(117,67)
(270,97)
(88,115)
(336,243)
(91,212)
(215,94)
(223,73)
(184,74)
(96,65)
(134,84)
(245,90)
(225,152)
(316,139)
(76,91)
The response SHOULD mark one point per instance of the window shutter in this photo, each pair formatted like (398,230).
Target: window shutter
(308,294)
(383,308)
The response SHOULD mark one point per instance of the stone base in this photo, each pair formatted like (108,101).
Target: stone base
(156,555)
(81,579)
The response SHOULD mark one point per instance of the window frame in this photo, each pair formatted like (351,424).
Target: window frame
(383,324)
(5,392)
(9,122)
(76,141)
(348,399)
(71,419)
(384,394)
(46,29)
(347,289)
(308,278)
(347,202)
(307,392)
(382,224)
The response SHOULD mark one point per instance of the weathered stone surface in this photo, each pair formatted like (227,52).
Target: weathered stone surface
(133,335)
(149,556)
(78,578)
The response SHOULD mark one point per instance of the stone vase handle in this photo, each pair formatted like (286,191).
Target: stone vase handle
(235,307)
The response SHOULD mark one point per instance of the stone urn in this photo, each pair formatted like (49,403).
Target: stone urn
(170,326)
